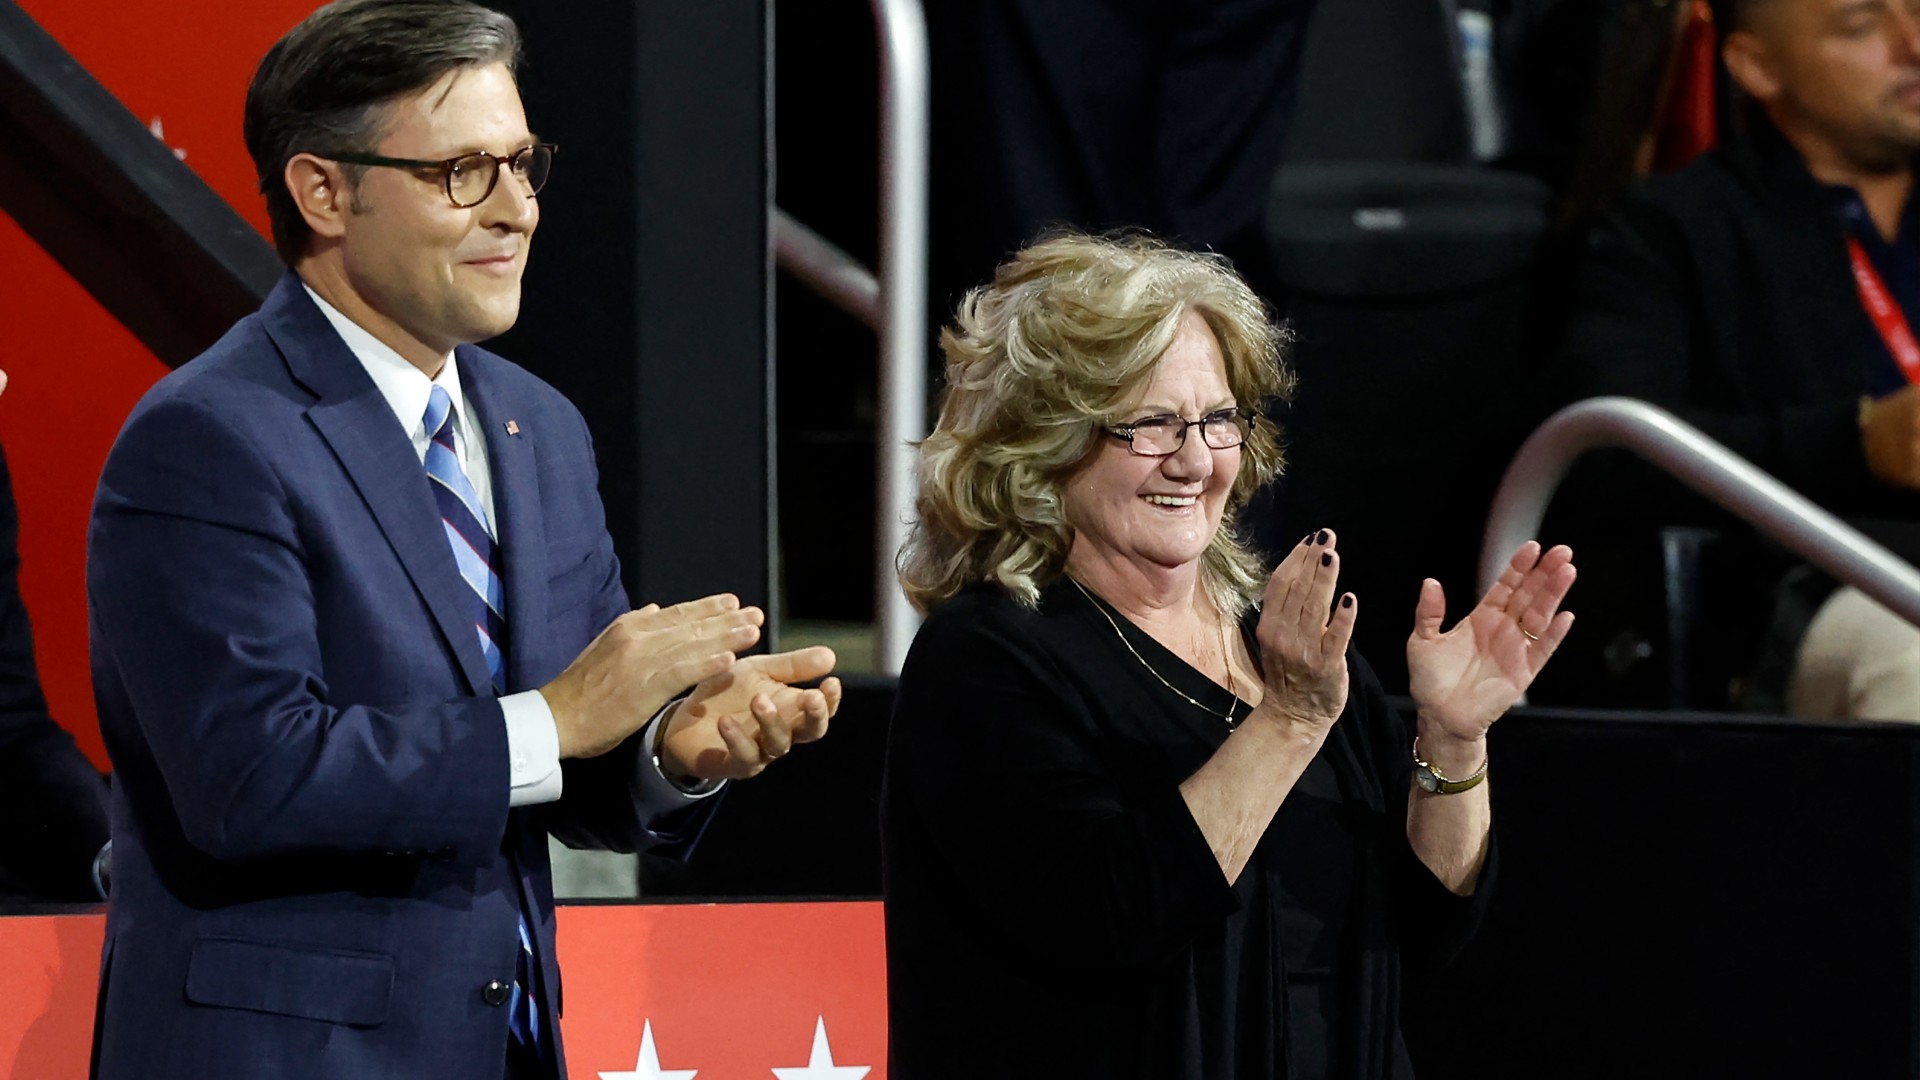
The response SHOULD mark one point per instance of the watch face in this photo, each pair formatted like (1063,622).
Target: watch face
(1425,778)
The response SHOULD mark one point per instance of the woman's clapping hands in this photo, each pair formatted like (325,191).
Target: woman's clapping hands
(1465,678)
(1303,650)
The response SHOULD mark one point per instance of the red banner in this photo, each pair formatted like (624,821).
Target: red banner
(654,992)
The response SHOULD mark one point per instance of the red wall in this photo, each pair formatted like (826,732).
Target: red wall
(75,371)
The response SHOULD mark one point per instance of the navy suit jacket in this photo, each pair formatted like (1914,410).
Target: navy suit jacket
(316,871)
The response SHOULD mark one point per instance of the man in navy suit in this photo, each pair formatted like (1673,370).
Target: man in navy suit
(359,638)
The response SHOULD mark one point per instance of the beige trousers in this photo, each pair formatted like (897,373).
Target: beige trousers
(1858,660)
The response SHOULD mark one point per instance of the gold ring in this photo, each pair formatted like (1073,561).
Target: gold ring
(1531,638)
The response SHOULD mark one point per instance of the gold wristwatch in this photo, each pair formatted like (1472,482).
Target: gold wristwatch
(1433,781)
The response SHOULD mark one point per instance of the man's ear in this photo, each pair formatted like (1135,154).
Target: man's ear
(1751,65)
(319,189)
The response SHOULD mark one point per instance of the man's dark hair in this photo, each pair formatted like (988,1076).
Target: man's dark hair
(322,87)
(1732,15)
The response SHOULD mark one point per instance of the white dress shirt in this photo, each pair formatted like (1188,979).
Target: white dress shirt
(533,740)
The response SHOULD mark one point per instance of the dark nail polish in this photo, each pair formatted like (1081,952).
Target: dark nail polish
(1322,538)
(1307,539)
(1347,600)
(1326,559)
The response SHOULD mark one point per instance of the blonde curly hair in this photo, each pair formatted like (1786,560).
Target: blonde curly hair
(1037,361)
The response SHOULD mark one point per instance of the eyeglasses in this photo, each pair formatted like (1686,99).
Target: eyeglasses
(1159,436)
(470,178)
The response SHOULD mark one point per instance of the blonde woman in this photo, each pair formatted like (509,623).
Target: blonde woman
(1146,814)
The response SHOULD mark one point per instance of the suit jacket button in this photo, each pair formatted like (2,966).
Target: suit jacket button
(494,993)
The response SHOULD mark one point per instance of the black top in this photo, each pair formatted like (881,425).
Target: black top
(1054,911)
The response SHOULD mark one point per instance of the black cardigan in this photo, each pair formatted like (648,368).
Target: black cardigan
(1054,911)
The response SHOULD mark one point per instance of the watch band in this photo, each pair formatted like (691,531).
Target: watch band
(1435,782)
(659,735)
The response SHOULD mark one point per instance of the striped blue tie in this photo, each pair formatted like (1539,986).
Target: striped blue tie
(478,557)
(474,549)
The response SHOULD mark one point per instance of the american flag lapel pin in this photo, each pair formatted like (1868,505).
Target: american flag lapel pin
(513,427)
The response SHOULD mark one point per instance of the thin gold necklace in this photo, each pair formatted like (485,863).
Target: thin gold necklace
(1228,716)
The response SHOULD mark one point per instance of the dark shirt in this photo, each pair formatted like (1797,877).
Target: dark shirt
(1053,910)
(1898,264)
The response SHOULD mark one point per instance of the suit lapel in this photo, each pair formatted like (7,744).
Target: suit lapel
(518,522)
(379,459)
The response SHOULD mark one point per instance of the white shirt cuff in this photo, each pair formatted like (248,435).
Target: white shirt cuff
(655,795)
(533,749)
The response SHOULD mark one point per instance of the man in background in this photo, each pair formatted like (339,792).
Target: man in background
(1765,294)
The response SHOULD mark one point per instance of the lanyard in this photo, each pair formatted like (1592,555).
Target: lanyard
(1886,315)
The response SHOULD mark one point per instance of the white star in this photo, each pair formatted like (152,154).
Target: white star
(820,1065)
(647,1065)
(160,132)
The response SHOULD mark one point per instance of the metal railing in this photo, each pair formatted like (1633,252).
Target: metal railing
(893,303)
(820,265)
(1707,467)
